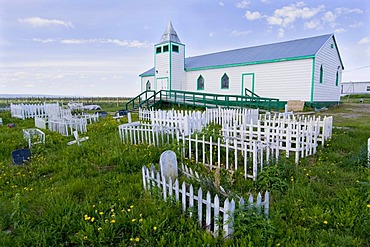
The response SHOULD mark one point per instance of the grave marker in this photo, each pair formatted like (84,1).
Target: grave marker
(1,121)
(34,136)
(168,164)
(21,156)
(78,139)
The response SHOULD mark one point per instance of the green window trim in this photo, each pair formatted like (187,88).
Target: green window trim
(225,82)
(321,74)
(158,49)
(200,83)
(337,79)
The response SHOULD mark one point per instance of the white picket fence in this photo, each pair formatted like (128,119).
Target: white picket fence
(137,133)
(299,136)
(189,122)
(34,136)
(213,215)
(368,152)
(250,157)
(24,111)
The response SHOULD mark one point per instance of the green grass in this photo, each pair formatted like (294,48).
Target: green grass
(92,195)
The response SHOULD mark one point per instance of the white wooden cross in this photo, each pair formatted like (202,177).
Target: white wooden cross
(78,139)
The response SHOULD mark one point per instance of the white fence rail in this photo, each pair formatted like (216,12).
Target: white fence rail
(24,111)
(189,122)
(301,137)
(212,214)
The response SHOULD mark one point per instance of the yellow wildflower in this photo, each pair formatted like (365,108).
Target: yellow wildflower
(368,205)
(112,210)
(94,206)
(85,237)
(131,206)
(113,221)
(113,215)
(128,210)
(325,222)
(101,213)
(131,239)
(92,219)
(141,220)
(155,228)
(99,229)
(133,220)
(137,239)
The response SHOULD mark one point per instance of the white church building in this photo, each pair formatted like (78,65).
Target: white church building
(308,69)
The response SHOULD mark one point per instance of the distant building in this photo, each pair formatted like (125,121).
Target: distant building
(307,69)
(355,87)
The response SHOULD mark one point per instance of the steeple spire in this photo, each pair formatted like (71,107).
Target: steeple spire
(169,34)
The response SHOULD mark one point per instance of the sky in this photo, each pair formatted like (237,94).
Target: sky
(99,47)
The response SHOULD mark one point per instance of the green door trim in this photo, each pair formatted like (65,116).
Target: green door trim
(243,90)
(313,79)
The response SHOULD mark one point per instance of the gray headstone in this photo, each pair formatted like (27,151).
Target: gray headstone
(168,164)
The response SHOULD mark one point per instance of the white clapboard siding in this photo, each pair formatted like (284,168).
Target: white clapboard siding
(328,57)
(209,209)
(285,80)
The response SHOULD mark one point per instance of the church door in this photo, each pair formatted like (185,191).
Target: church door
(162,84)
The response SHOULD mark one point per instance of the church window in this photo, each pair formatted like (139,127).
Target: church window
(158,49)
(225,82)
(200,83)
(321,74)
(337,79)
(148,85)
(165,48)
(175,48)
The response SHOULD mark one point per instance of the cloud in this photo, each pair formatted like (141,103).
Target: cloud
(344,10)
(312,24)
(211,34)
(340,30)
(356,24)
(44,40)
(287,15)
(221,4)
(40,22)
(332,16)
(125,43)
(329,16)
(364,41)
(281,33)
(243,4)
(253,15)
(237,33)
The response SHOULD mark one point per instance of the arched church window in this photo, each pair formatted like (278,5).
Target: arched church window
(148,85)
(321,74)
(225,82)
(200,83)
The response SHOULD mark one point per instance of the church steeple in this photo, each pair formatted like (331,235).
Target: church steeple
(169,35)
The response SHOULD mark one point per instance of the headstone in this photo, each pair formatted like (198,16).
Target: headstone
(102,114)
(11,125)
(21,156)
(168,164)
(295,105)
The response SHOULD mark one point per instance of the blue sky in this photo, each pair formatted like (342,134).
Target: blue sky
(98,48)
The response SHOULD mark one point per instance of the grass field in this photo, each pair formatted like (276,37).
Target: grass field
(92,195)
